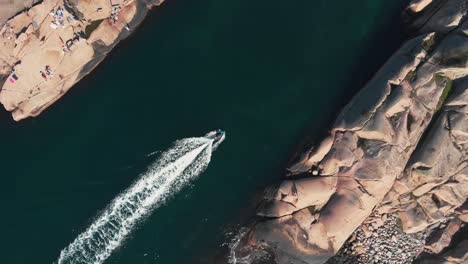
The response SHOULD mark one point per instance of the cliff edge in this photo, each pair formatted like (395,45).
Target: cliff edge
(400,147)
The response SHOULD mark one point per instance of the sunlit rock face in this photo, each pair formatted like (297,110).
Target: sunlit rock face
(435,181)
(440,16)
(399,146)
(48,47)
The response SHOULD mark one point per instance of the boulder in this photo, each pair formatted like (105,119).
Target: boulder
(441,238)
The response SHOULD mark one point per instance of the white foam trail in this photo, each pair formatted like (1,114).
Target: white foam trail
(176,167)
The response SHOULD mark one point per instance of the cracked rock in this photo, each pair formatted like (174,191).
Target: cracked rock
(400,147)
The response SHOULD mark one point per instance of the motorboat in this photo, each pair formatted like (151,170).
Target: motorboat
(217,136)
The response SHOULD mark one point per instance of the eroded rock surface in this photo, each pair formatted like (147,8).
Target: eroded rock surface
(435,181)
(442,237)
(456,255)
(47,48)
(399,146)
(9,8)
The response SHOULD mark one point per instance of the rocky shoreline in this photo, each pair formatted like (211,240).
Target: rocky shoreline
(382,241)
(50,45)
(398,151)
(388,185)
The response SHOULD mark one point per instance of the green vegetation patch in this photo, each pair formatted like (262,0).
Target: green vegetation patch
(91,27)
(410,76)
(447,85)
(429,43)
(311,209)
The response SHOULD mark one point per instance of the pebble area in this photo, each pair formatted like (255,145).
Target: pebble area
(382,241)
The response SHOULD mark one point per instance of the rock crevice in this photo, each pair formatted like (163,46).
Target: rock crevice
(399,147)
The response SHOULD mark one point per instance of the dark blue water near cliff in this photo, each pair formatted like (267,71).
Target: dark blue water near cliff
(271,73)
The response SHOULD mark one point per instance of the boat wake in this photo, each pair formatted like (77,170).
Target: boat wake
(176,167)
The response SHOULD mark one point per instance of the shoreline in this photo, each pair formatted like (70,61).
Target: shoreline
(369,158)
(27,95)
(235,230)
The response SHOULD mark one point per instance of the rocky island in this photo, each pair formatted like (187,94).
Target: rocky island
(396,155)
(48,46)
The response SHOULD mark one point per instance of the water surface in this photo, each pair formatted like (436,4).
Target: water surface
(268,72)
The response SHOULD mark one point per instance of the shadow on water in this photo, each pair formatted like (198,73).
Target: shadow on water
(268,72)
(377,47)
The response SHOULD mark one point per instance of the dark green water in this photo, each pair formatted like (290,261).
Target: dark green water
(268,72)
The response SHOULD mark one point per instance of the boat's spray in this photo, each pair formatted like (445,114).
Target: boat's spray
(173,170)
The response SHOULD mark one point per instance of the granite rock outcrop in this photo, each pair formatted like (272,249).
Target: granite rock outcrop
(400,146)
(48,47)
